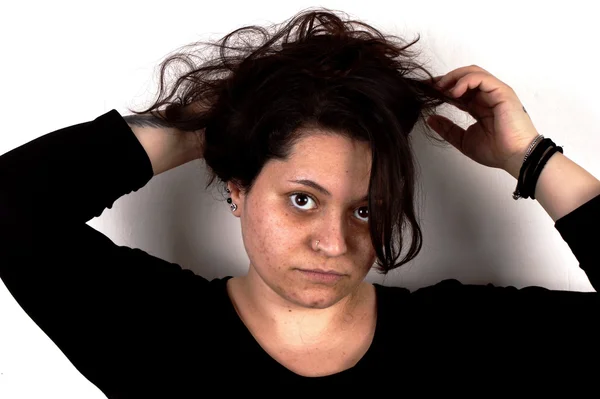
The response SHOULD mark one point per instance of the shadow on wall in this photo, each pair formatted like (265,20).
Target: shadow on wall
(468,227)
(174,218)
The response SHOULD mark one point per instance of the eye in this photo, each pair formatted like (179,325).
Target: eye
(300,200)
(363,212)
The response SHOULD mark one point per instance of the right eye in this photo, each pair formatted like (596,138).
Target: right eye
(300,201)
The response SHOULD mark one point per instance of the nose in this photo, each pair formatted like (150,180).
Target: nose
(332,236)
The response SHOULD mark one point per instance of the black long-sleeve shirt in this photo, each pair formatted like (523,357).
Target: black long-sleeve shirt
(138,326)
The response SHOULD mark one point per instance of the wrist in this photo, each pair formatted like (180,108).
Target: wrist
(166,147)
(513,164)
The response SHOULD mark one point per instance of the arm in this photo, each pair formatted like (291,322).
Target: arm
(570,195)
(102,304)
(166,147)
(563,185)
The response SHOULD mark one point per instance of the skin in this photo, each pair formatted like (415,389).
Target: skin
(278,302)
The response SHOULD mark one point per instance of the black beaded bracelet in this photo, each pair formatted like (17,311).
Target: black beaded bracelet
(531,184)
(528,168)
(533,166)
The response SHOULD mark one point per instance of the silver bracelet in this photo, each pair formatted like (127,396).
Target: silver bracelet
(532,145)
(516,193)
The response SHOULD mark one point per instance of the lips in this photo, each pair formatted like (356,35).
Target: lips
(320,276)
(323,271)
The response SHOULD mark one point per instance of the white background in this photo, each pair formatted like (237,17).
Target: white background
(63,63)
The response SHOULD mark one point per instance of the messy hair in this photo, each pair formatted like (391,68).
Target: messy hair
(255,94)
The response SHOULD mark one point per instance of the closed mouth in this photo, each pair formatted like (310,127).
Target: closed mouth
(332,272)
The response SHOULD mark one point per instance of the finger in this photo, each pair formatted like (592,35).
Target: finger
(448,130)
(432,81)
(481,81)
(450,79)
(460,105)
(457,103)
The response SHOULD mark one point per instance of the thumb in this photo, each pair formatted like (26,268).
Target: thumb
(447,129)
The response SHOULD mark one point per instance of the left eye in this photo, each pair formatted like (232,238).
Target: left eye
(365,213)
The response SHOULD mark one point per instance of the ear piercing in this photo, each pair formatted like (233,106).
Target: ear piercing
(229,201)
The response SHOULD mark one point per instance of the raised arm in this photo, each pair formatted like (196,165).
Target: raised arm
(104,305)
(501,138)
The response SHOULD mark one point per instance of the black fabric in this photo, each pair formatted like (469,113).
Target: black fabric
(139,326)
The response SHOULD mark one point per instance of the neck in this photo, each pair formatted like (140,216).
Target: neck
(293,323)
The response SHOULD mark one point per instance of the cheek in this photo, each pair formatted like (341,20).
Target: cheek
(269,236)
(363,251)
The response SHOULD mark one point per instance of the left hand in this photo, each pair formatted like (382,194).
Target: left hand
(496,104)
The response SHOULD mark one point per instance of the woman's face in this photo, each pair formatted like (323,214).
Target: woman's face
(281,220)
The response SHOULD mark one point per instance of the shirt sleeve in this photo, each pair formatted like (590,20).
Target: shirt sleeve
(581,231)
(105,306)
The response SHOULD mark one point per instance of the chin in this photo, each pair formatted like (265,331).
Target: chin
(315,297)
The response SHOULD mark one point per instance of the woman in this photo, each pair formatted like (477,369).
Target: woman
(309,132)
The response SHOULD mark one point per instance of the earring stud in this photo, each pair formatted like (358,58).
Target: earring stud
(230,202)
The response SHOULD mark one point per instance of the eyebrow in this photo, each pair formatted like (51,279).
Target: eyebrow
(318,187)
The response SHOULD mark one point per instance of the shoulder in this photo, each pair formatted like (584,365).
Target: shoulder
(444,293)
(390,296)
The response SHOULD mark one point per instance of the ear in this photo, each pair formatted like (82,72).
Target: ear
(238,197)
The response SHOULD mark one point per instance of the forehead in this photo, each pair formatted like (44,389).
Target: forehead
(329,159)
(319,142)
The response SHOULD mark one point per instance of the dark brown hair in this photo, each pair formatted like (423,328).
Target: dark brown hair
(262,86)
